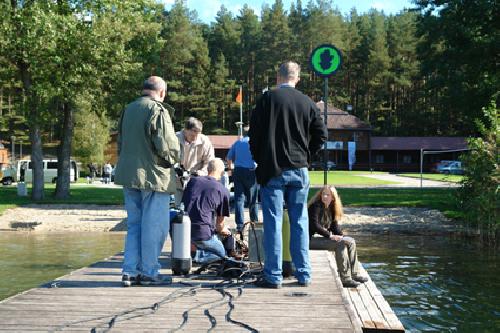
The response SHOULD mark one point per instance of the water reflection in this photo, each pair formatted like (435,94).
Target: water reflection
(435,284)
(30,259)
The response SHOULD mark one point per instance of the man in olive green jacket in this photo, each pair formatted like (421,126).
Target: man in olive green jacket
(147,148)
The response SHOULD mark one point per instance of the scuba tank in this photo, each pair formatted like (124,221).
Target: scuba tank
(181,242)
(287,265)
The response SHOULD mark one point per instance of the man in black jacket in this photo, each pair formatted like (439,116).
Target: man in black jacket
(285,131)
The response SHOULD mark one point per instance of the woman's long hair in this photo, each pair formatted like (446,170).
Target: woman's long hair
(335,207)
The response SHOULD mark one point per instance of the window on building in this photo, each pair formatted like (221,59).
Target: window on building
(52,165)
(407,159)
(379,158)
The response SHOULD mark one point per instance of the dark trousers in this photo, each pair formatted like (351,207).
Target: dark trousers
(245,186)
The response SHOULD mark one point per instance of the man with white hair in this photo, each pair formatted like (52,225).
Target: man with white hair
(147,150)
(206,201)
(285,131)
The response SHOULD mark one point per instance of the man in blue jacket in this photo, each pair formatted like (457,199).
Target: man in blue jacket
(245,183)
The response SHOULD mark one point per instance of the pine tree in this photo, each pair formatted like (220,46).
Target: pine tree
(222,91)
(275,45)
(377,71)
(184,63)
(225,38)
(250,34)
(404,77)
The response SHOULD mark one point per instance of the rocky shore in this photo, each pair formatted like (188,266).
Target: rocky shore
(74,218)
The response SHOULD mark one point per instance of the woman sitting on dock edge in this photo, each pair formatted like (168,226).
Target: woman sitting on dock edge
(325,212)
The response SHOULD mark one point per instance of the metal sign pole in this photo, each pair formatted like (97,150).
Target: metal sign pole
(325,60)
(325,112)
(240,130)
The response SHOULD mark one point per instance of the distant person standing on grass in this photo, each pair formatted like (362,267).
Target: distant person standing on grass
(285,131)
(147,148)
(107,169)
(245,183)
(92,172)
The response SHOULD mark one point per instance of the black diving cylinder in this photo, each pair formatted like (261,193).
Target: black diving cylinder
(181,242)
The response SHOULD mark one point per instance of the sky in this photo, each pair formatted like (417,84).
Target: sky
(207,9)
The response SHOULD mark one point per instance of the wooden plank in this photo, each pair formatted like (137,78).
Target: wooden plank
(361,309)
(385,309)
(375,313)
(93,295)
(345,297)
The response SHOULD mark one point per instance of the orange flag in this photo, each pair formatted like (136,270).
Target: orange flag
(239,97)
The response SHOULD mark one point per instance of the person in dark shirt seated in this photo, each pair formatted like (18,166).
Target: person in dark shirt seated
(206,202)
(325,212)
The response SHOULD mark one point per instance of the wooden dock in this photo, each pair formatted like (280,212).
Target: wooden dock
(370,307)
(92,299)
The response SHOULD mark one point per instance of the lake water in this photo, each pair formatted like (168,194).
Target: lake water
(434,284)
(30,259)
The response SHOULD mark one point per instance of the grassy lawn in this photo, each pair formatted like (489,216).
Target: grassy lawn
(435,176)
(346,178)
(79,195)
(442,199)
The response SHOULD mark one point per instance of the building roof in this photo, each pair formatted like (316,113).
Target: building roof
(417,143)
(342,120)
(222,141)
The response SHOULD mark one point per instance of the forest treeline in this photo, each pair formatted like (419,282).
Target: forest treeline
(67,68)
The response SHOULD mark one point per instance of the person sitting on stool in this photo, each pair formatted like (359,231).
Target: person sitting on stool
(206,202)
(325,211)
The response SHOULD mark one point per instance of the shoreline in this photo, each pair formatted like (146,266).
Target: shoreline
(100,218)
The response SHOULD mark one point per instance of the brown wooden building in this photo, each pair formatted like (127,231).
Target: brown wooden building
(372,152)
(342,129)
(393,153)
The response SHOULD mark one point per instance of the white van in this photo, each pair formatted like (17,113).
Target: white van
(23,171)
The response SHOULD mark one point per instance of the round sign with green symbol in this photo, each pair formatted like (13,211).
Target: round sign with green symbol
(325,60)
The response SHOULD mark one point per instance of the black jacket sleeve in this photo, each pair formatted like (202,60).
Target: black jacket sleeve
(315,211)
(335,229)
(318,131)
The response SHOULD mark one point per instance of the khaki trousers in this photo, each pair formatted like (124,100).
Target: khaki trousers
(347,258)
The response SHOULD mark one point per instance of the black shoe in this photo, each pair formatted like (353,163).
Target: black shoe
(263,283)
(156,281)
(128,280)
(350,284)
(305,284)
(360,279)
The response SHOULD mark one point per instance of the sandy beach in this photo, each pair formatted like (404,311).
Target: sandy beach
(77,218)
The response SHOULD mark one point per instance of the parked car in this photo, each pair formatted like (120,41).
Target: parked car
(319,165)
(441,164)
(8,175)
(22,171)
(454,168)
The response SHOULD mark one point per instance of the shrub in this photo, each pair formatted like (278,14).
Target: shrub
(479,192)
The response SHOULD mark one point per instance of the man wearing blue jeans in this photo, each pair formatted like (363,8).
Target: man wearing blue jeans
(285,131)
(245,183)
(147,148)
(207,202)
